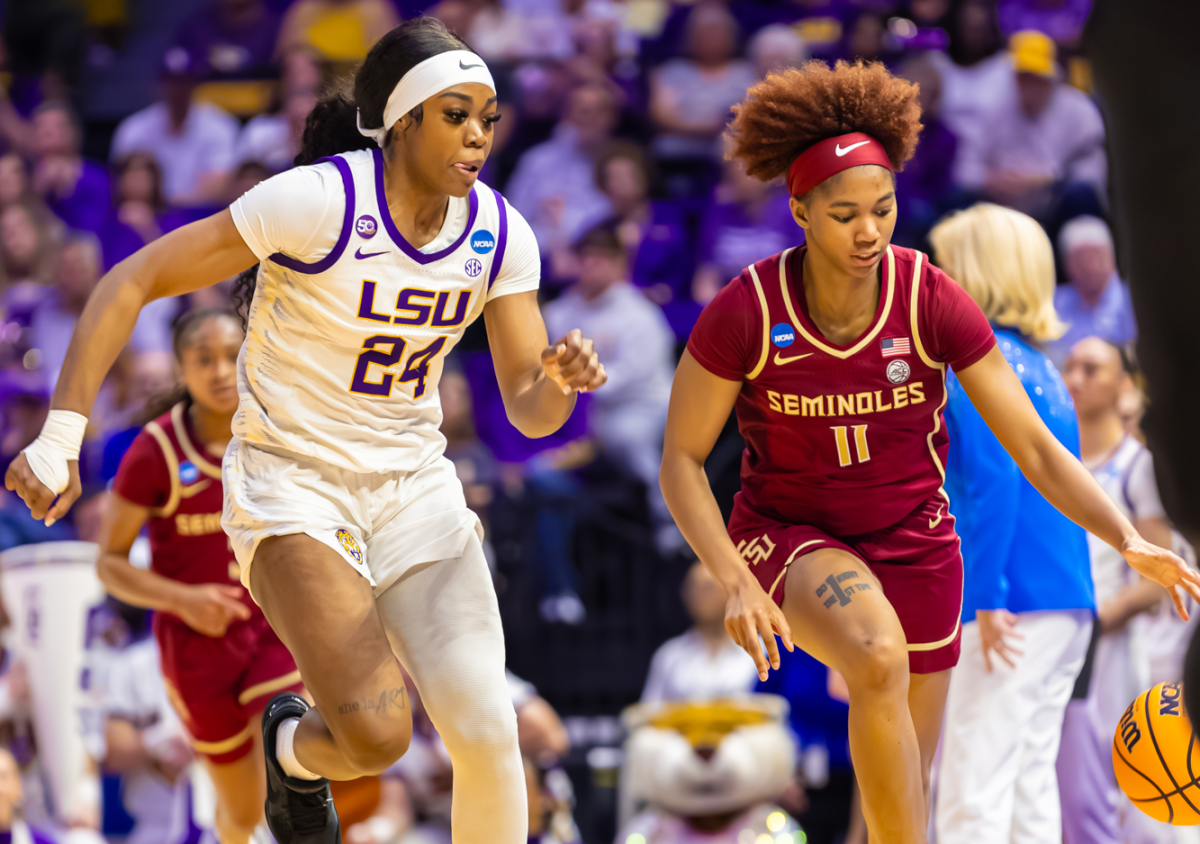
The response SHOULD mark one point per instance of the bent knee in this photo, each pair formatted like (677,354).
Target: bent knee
(374,749)
(482,728)
(877,662)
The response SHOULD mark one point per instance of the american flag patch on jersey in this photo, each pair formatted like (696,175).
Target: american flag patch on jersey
(893,346)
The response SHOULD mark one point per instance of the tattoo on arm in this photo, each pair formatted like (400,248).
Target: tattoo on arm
(841,594)
(382,704)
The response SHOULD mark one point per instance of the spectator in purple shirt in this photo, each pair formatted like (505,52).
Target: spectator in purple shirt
(15,184)
(925,187)
(653,232)
(1062,20)
(745,219)
(75,189)
(235,37)
(139,214)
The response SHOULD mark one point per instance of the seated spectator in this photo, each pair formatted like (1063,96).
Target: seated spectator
(139,214)
(335,30)
(12,797)
(554,184)
(774,48)
(633,339)
(1094,302)
(15,184)
(690,98)
(653,232)
(925,187)
(192,141)
(703,663)
(29,236)
(473,461)
(509,32)
(1036,146)
(146,743)
(75,275)
(235,38)
(73,188)
(272,140)
(746,218)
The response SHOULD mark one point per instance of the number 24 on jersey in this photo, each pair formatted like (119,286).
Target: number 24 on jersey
(385,351)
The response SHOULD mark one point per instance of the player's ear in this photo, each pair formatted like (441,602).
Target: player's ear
(799,212)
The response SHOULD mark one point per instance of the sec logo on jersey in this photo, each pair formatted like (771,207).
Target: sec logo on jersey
(783,335)
(189,472)
(473,267)
(366,226)
(483,242)
(349,544)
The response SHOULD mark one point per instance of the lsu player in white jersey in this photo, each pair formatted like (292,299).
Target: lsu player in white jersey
(349,523)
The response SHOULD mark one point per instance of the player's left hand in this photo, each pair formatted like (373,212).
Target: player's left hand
(572,364)
(1164,568)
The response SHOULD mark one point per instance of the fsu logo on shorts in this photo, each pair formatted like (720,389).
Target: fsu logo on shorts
(349,544)
(898,371)
(366,226)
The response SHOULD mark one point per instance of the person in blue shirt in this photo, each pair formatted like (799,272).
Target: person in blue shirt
(1028,597)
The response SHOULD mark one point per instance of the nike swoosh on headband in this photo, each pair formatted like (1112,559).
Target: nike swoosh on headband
(781,361)
(462,66)
(359,254)
(839,152)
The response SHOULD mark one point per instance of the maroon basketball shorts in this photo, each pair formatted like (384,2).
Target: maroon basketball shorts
(218,686)
(917,562)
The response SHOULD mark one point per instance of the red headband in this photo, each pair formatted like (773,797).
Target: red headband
(831,156)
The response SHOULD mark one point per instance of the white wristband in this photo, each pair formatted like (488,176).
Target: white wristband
(59,443)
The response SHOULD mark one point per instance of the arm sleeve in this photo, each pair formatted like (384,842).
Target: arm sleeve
(987,484)
(521,268)
(1141,489)
(143,477)
(723,339)
(953,328)
(299,213)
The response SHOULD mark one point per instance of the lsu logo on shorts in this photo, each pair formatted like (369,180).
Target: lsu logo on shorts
(349,544)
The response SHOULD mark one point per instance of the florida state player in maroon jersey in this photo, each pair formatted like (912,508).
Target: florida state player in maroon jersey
(834,356)
(220,658)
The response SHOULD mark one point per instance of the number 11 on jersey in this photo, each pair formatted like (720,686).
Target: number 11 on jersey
(843,444)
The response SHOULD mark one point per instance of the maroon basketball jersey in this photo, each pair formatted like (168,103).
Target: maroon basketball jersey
(166,470)
(848,439)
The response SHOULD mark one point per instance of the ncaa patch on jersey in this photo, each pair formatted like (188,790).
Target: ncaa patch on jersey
(783,335)
(349,544)
(366,226)
(473,267)
(898,371)
(189,472)
(483,242)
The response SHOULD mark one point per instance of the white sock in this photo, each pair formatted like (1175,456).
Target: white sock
(286,753)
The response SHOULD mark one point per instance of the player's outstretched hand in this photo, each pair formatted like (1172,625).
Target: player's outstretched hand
(1164,568)
(209,608)
(750,613)
(572,364)
(40,498)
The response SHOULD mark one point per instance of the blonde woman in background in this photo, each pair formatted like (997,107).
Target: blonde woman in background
(1028,599)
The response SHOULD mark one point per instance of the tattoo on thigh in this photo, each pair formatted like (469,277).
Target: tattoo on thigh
(386,702)
(841,594)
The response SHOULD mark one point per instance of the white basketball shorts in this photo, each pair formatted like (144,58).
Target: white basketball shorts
(381,523)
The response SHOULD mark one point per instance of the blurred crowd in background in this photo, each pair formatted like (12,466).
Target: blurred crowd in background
(121,120)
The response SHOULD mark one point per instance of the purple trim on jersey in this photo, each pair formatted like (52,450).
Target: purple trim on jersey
(347,227)
(397,238)
(501,238)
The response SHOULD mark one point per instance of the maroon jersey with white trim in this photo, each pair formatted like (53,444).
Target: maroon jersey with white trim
(849,439)
(167,471)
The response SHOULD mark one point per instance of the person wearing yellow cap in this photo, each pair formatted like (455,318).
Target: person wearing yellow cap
(1043,142)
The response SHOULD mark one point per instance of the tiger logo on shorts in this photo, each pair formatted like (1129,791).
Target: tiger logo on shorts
(349,544)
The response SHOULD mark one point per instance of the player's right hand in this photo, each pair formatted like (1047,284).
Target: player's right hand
(40,498)
(209,608)
(750,613)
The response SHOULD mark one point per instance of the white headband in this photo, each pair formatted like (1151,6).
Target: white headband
(432,76)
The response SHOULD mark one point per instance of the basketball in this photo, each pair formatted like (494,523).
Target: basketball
(1156,758)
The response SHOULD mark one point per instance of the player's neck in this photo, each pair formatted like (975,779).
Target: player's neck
(840,305)
(417,209)
(213,429)
(1099,435)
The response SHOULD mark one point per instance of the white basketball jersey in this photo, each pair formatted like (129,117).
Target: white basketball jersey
(343,355)
(1110,572)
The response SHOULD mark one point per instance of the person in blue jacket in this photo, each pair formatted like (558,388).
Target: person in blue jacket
(1028,597)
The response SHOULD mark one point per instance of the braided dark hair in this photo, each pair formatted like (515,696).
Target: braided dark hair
(332,125)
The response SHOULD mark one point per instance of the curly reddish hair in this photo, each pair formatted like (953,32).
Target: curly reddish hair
(788,112)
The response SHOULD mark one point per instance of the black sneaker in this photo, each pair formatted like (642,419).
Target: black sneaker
(298,811)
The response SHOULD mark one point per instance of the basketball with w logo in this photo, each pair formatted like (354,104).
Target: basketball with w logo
(1156,756)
